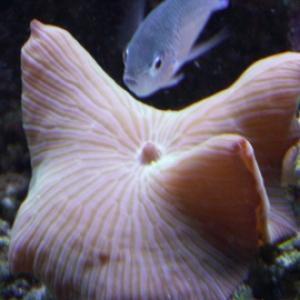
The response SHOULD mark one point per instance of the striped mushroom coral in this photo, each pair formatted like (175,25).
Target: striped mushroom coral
(130,202)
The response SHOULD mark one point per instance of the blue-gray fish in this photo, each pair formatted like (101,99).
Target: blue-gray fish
(165,41)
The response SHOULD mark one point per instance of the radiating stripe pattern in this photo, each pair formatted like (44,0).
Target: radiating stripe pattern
(129,202)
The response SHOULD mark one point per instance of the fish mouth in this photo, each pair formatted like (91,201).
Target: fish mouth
(130,81)
(135,86)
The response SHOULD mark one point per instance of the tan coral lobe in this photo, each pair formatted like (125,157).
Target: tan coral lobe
(130,202)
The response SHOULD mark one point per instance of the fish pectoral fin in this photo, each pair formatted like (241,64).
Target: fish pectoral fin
(174,80)
(203,47)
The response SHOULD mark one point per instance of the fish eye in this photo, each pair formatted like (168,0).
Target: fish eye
(125,55)
(157,63)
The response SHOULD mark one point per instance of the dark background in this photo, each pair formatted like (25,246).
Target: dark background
(258,28)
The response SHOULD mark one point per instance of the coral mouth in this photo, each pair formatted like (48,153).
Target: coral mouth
(149,154)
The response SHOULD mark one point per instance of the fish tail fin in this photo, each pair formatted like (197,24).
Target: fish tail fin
(205,46)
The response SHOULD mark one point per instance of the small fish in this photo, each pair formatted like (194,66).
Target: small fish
(165,41)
